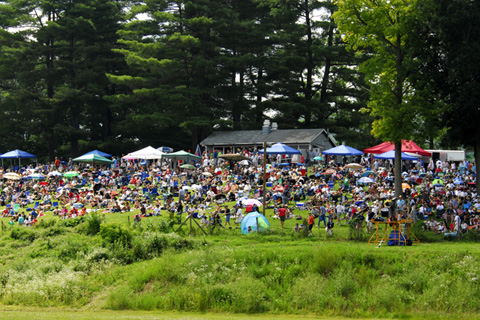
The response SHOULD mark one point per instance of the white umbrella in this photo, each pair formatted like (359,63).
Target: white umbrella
(365,180)
(11,176)
(354,166)
(244,162)
(36,176)
(251,202)
(55,174)
(208,174)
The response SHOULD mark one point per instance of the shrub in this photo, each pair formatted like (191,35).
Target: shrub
(93,223)
(113,233)
(23,233)
(71,223)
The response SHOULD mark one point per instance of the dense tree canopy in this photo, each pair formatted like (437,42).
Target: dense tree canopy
(117,75)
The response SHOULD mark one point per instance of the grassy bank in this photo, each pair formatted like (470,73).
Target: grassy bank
(105,263)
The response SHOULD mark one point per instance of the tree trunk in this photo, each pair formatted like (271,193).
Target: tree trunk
(309,66)
(398,168)
(476,154)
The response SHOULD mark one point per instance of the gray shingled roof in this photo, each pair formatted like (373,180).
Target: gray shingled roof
(251,137)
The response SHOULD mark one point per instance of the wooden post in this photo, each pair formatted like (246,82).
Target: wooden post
(264,176)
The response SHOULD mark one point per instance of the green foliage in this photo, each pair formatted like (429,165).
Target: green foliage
(93,223)
(23,233)
(113,233)
(71,223)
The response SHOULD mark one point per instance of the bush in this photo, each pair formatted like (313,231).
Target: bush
(113,233)
(71,223)
(23,233)
(93,223)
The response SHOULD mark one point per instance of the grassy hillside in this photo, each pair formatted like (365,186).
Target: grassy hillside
(108,263)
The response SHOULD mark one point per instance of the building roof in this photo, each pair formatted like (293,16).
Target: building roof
(256,137)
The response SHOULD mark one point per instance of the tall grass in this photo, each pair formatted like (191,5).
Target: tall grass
(144,268)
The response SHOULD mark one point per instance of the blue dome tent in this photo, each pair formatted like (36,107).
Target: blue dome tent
(252,220)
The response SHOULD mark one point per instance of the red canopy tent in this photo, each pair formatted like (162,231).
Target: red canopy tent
(407,146)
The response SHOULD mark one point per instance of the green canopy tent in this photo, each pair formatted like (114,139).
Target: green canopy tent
(93,159)
(185,156)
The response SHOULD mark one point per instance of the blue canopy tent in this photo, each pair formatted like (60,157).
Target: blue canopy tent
(98,153)
(280,148)
(252,220)
(16,154)
(391,155)
(342,150)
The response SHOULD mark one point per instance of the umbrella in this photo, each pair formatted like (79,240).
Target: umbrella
(187,166)
(405,186)
(71,174)
(93,158)
(365,180)
(44,183)
(251,202)
(54,173)
(329,171)
(367,173)
(318,158)
(354,166)
(165,149)
(438,185)
(458,181)
(437,181)
(208,174)
(252,220)
(245,162)
(11,176)
(220,196)
(36,176)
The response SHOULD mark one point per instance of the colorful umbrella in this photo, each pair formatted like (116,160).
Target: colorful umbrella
(71,174)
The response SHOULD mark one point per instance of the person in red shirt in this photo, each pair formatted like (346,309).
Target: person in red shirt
(282,213)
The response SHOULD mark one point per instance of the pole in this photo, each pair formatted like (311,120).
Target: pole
(264,175)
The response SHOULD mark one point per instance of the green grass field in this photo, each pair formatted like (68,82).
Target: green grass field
(104,267)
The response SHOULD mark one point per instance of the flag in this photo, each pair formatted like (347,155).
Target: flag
(198,151)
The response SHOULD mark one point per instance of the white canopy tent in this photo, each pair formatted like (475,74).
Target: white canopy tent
(148,153)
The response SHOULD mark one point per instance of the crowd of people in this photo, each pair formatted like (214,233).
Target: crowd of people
(442,193)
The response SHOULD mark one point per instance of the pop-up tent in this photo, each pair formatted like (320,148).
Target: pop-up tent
(17,154)
(342,150)
(148,153)
(407,146)
(280,148)
(252,220)
(98,153)
(182,155)
(93,159)
(391,155)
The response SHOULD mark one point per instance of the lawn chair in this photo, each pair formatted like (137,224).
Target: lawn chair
(55,204)
(37,205)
